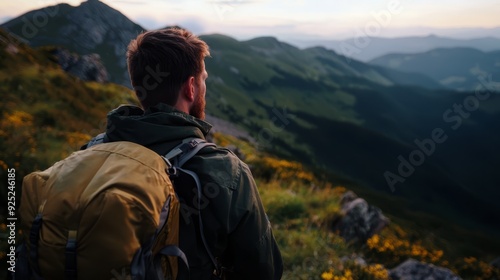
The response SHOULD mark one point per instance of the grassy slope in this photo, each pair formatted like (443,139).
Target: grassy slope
(303,208)
(54,109)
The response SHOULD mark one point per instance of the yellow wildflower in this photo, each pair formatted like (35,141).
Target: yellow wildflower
(373,241)
(327,275)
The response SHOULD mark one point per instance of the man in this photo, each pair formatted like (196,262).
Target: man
(168,74)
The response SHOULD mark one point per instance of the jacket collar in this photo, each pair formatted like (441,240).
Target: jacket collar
(159,128)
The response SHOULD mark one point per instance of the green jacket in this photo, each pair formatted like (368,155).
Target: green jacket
(234,221)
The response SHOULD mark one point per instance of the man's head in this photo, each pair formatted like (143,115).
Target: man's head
(167,66)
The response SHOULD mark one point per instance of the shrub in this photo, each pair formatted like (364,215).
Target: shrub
(283,205)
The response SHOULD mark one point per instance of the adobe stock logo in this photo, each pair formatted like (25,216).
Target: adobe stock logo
(406,167)
(454,116)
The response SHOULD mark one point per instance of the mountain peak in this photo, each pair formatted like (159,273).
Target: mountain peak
(95,9)
(91,27)
(270,43)
(94,3)
(265,40)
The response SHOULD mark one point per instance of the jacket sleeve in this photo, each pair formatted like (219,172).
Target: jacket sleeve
(252,249)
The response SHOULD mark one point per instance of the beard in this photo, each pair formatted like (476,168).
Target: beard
(198,109)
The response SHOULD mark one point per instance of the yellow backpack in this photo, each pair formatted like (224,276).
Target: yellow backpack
(107,212)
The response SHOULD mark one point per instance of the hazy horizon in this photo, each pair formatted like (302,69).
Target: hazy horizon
(296,20)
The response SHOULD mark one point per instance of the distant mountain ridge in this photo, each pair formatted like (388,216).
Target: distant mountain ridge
(465,32)
(457,68)
(88,29)
(366,48)
(91,27)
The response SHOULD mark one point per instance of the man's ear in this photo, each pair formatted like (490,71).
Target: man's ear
(188,89)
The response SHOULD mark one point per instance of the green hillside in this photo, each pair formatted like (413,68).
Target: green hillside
(46,114)
(313,106)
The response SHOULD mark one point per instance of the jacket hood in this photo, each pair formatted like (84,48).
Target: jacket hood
(159,128)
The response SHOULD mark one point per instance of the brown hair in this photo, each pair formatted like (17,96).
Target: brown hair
(160,62)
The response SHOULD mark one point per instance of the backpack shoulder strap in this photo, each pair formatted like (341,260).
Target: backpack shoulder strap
(180,155)
(186,150)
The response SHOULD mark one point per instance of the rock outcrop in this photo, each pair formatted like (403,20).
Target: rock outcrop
(87,67)
(496,263)
(359,220)
(415,270)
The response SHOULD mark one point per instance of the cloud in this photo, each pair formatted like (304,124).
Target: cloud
(233,2)
(194,25)
(148,22)
(127,2)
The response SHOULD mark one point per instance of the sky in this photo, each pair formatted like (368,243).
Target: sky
(307,19)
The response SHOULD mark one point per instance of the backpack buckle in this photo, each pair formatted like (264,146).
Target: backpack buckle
(171,170)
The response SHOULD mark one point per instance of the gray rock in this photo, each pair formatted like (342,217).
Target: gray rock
(414,270)
(359,261)
(348,196)
(495,263)
(359,220)
(11,49)
(87,67)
